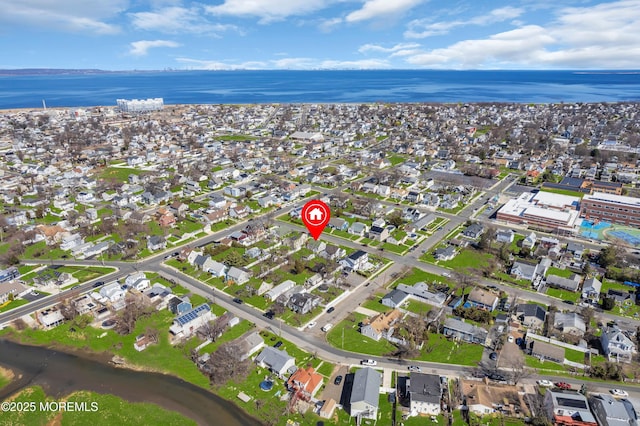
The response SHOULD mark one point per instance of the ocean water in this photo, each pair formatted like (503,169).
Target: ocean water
(230,87)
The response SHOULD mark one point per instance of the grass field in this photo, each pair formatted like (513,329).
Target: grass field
(441,349)
(354,341)
(534,362)
(111,411)
(375,305)
(121,174)
(565,273)
(12,305)
(418,275)
(575,356)
(467,258)
(563,294)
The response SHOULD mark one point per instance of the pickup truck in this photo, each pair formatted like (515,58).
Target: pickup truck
(326,327)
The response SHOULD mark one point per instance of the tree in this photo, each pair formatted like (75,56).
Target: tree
(225,364)
(68,310)
(518,370)
(133,310)
(608,303)
(609,256)
(213,329)
(487,238)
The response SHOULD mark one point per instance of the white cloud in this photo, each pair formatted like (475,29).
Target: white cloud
(177,20)
(361,64)
(329,24)
(377,48)
(293,63)
(373,9)
(69,15)
(603,36)
(203,64)
(267,10)
(422,28)
(141,48)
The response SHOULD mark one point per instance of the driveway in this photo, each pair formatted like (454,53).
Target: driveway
(332,390)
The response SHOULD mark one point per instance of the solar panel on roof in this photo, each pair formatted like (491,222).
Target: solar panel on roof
(193,314)
(573,403)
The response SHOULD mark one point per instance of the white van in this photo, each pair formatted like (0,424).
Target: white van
(327,327)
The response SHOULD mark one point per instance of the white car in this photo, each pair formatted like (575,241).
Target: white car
(619,392)
(545,383)
(368,362)
(510,339)
(311,324)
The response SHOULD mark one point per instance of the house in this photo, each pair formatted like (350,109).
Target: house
(531,315)
(356,261)
(379,233)
(616,344)
(50,318)
(333,252)
(505,236)
(570,284)
(238,275)
(381,325)
(165,218)
(112,292)
(9,274)
(280,289)
(575,249)
(610,411)
(473,231)
(303,303)
(138,281)
(591,289)
(217,269)
(420,292)
(246,345)
(457,329)
(9,289)
(365,393)
(530,241)
(316,246)
(394,298)
(483,299)
(524,270)
(305,380)
(141,343)
(179,306)
(547,351)
(178,208)
(619,296)
(156,242)
(425,393)
(277,361)
(446,253)
(358,228)
(570,322)
(567,407)
(338,223)
(188,323)
(239,211)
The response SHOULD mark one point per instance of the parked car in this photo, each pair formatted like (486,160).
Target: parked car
(493,356)
(270,314)
(326,327)
(569,302)
(238,300)
(414,368)
(312,324)
(619,392)
(331,309)
(277,345)
(98,284)
(563,385)
(545,383)
(368,362)
(338,380)
(510,339)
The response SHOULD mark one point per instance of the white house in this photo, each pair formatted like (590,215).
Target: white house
(186,324)
(139,281)
(616,344)
(279,289)
(425,393)
(112,292)
(365,393)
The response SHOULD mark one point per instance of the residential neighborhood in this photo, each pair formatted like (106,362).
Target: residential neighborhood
(473,253)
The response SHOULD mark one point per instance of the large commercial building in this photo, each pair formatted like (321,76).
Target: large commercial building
(140,105)
(543,210)
(611,208)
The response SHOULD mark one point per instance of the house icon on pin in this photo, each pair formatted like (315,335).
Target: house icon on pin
(315,215)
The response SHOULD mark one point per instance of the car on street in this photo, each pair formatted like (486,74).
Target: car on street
(446,274)
(238,300)
(331,309)
(414,368)
(368,362)
(563,385)
(98,284)
(35,293)
(270,314)
(493,356)
(619,392)
(545,383)
(569,302)
(338,380)
(311,324)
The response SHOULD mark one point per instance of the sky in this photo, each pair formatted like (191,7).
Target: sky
(320,34)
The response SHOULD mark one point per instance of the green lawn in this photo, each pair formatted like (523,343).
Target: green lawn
(418,275)
(354,341)
(441,349)
(396,159)
(121,174)
(573,355)
(564,192)
(13,305)
(235,138)
(160,357)
(394,248)
(565,273)
(326,368)
(375,305)
(467,258)
(417,307)
(112,410)
(534,362)
(563,294)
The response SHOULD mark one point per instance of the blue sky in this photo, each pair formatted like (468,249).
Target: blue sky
(327,34)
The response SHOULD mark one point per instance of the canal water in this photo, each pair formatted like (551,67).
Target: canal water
(60,373)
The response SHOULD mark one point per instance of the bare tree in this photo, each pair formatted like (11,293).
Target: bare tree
(213,329)
(224,364)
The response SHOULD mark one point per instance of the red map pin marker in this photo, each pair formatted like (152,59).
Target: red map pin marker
(315,215)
